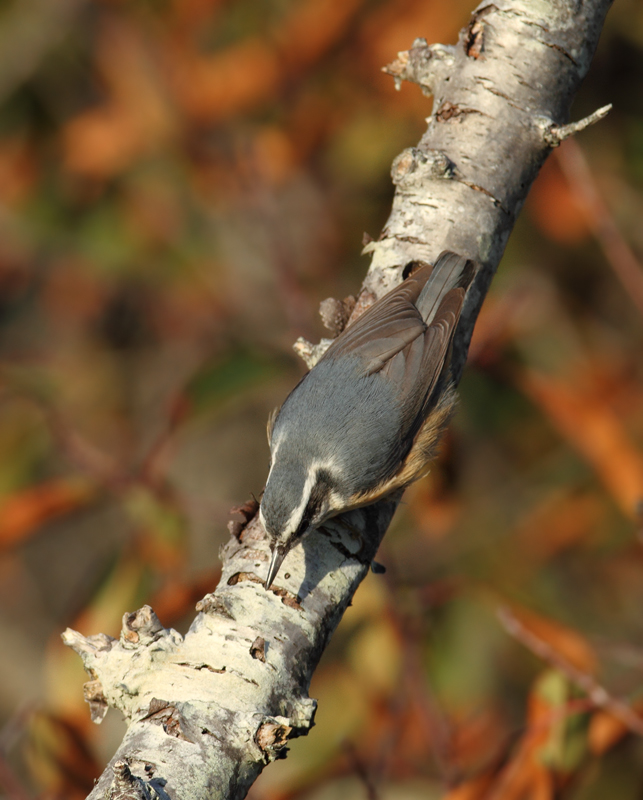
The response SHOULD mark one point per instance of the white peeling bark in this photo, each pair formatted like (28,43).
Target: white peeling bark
(208,711)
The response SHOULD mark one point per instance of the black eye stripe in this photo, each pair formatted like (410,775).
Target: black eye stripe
(320,490)
(318,494)
(323,477)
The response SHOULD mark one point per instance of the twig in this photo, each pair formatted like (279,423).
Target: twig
(627,267)
(599,696)
(437,727)
(360,770)
(9,781)
(12,729)
(556,134)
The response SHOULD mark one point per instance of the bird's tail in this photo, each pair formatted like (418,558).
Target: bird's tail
(450,271)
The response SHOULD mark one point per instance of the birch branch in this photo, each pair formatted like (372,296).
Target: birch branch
(206,712)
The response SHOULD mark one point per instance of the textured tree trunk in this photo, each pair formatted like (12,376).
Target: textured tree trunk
(206,712)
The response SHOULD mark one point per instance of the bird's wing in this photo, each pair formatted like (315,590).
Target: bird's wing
(417,368)
(415,372)
(386,328)
(400,318)
(438,338)
(450,270)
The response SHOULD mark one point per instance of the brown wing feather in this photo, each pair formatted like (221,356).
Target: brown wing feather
(386,328)
(401,317)
(420,367)
(444,324)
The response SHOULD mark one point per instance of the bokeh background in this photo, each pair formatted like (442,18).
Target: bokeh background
(181,183)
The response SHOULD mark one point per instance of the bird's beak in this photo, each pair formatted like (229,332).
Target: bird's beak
(278,555)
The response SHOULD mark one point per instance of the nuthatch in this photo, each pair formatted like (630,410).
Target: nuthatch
(364,421)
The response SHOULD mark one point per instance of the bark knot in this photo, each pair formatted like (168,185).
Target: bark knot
(140,627)
(414,167)
(450,112)
(160,712)
(287,598)
(474,32)
(364,301)
(309,352)
(272,736)
(336,313)
(258,649)
(248,511)
(127,786)
(424,64)
(211,604)
(94,696)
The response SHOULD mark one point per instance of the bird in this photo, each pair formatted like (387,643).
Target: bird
(364,422)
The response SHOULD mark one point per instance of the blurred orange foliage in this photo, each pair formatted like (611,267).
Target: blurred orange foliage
(22,514)
(606,730)
(135,119)
(554,206)
(596,431)
(567,643)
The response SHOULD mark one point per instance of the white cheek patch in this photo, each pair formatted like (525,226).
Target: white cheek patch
(297,513)
(337,502)
(274,448)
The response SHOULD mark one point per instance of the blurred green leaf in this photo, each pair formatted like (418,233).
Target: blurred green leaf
(227,378)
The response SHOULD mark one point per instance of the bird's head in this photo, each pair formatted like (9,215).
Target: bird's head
(296,499)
